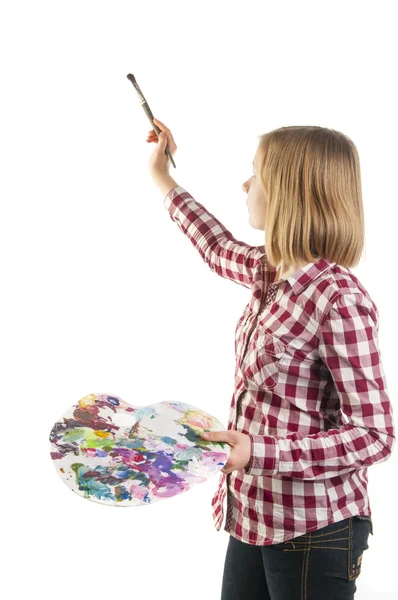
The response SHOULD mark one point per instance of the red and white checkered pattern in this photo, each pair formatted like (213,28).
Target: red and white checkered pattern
(310,389)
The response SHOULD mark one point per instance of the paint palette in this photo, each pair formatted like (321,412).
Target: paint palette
(113,453)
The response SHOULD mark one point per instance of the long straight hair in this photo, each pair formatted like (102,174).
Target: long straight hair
(312,183)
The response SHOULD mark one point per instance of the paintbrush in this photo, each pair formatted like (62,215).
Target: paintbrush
(148,112)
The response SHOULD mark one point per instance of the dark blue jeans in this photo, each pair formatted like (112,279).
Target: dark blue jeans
(320,565)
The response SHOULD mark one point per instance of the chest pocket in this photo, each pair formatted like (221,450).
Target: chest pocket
(261,363)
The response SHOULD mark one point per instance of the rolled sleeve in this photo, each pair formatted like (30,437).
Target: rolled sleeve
(264,458)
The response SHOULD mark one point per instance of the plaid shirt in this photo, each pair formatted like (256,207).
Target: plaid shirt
(310,389)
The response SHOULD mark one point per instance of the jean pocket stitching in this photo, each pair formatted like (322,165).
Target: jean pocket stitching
(318,539)
(323,535)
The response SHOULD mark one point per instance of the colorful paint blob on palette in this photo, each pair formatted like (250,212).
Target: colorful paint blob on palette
(111,452)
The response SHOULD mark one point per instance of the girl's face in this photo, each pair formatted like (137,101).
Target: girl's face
(255,199)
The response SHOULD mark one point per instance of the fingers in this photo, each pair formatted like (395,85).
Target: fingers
(152,136)
(161,125)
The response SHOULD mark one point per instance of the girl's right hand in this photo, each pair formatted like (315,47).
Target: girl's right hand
(159,162)
(153,136)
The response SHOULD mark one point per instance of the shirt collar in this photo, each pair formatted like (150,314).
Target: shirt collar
(307,274)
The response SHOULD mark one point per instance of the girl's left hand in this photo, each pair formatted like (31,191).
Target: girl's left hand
(159,163)
(240,443)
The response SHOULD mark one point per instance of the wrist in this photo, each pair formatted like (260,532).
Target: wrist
(164,181)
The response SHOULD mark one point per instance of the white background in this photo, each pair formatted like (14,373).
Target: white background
(99,286)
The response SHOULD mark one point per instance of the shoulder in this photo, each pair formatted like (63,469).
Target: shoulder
(340,292)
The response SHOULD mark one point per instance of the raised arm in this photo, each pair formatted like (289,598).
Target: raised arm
(226,256)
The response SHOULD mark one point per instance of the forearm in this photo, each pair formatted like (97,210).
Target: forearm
(164,182)
(226,256)
(319,455)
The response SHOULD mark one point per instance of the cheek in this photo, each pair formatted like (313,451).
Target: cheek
(260,202)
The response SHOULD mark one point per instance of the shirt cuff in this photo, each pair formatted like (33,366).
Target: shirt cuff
(264,458)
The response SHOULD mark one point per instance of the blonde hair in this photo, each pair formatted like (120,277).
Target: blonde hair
(311,179)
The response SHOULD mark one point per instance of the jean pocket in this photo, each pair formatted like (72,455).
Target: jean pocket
(359,529)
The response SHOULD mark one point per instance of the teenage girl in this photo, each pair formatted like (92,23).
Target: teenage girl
(310,410)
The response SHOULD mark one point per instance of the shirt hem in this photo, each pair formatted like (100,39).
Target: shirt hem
(291,537)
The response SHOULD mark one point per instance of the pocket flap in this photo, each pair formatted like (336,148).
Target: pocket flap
(271,344)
